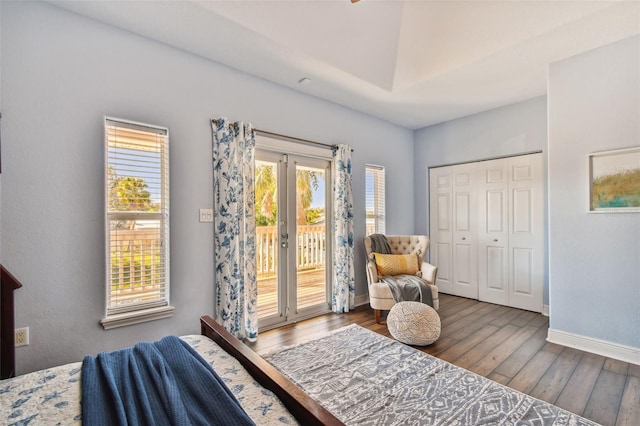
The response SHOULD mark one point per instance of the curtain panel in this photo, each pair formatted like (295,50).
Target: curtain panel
(343,292)
(234,227)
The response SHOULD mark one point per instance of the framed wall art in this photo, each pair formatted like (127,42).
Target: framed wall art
(614,181)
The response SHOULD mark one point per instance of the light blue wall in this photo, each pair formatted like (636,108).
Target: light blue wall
(594,105)
(61,74)
(514,129)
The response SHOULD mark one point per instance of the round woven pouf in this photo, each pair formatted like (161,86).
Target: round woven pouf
(414,323)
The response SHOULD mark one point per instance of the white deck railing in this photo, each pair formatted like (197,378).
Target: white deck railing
(310,245)
(135,255)
(137,267)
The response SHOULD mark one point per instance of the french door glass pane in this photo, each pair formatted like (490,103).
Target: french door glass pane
(310,236)
(267,238)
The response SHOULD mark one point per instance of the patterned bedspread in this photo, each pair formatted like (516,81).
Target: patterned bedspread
(52,396)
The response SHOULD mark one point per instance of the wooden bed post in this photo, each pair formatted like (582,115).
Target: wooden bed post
(8,283)
(304,408)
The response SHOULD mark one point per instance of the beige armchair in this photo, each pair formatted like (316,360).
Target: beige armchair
(380,297)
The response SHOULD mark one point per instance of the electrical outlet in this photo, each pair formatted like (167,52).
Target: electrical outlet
(22,336)
(206,215)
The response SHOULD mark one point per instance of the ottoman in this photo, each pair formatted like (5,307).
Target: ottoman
(414,323)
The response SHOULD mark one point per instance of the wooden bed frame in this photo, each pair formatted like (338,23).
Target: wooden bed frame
(8,283)
(305,409)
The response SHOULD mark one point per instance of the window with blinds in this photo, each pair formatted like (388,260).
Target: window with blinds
(137,217)
(374,187)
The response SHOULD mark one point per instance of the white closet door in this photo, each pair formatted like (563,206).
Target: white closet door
(493,233)
(464,238)
(486,230)
(440,184)
(526,239)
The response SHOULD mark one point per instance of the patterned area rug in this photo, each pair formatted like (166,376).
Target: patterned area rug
(365,378)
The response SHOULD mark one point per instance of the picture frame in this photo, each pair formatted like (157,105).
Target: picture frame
(614,181)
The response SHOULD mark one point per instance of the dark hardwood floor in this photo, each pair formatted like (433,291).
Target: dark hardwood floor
(508,346)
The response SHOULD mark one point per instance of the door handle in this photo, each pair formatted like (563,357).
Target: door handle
(495,240)
(284,244)
(464,238)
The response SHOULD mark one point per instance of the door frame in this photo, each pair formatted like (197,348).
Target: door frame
(287,311)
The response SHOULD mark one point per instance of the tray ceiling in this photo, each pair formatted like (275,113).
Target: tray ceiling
(413,63)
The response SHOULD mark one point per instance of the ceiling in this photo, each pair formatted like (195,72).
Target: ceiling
(413,63)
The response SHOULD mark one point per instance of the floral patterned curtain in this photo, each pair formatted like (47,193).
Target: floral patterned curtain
(234,227)
(343,294)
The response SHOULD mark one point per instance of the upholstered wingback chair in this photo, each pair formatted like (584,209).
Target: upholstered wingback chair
(380,297)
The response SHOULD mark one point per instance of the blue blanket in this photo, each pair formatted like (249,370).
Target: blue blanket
(162,383)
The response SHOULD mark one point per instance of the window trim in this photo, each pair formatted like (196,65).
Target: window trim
(160,308)
(379,198)
(136,317)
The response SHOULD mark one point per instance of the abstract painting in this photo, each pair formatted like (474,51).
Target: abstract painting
(614,178)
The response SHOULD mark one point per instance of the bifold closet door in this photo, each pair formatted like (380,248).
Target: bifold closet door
(453,230)
(493,234)
(526,227)
(464,238)
(511,226)
(486,230)
(440,184)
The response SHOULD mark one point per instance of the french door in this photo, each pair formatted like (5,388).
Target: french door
(292,237)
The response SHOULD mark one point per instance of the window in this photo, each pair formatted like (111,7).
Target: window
(137,223)
(374,186)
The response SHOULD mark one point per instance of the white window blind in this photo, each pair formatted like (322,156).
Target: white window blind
(374,186)
(137,216)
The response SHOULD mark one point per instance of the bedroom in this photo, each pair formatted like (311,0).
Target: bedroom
(61,73)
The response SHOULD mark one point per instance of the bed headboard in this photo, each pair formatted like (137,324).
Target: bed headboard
(8,283)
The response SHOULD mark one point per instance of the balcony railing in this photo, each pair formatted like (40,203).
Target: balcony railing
(311,247)
(136,263)
(137,267)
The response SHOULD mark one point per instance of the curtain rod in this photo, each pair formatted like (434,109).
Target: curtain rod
(487,159)
(279,135)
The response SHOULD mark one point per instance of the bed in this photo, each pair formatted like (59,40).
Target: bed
(52,396)
(363,378)
(349,376)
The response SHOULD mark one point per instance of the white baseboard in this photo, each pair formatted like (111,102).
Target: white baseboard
(545,310)
(596,346)
(362,299)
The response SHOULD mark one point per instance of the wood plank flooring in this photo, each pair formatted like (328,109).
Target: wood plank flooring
(508,346)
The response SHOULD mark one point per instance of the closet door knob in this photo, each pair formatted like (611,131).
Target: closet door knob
(495,240)
(464,238)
